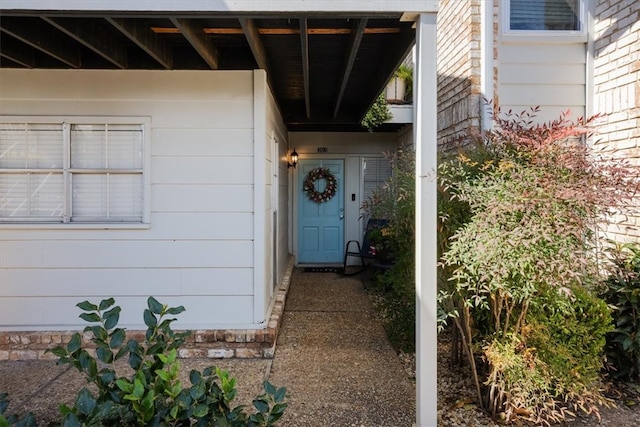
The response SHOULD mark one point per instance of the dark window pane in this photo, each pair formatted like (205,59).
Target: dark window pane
(558,15)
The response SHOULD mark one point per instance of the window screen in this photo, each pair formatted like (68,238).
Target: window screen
(376,172)
(106,172)
(61,172)
(544,15)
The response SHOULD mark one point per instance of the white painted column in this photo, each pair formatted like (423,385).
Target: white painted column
(259,195)
(486,64)
(425,137)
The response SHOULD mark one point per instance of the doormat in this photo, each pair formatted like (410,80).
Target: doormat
(323,269)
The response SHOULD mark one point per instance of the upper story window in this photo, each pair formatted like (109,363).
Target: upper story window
(89,170)
(565,16)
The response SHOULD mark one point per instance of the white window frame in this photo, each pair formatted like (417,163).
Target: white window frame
(66,122)
(560,36)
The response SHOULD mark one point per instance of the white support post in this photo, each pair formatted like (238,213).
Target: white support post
(425,137)
(486,64)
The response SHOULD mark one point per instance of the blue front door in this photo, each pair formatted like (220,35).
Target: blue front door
(320,225)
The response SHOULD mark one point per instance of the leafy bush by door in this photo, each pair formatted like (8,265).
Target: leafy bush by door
(519,211)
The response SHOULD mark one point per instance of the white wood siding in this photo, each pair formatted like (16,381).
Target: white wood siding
(539,73)
(276,250)
(198,250)
(409,6)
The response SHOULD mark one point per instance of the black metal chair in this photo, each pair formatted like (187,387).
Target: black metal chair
(363,251)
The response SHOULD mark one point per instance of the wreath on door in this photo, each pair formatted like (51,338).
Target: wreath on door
(310,187)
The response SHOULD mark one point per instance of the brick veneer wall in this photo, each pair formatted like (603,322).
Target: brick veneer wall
(617,89)
(458,44)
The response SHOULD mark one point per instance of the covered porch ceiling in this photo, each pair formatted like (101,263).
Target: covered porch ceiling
(324,69)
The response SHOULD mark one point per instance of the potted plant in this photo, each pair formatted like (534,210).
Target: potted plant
(400,86)
(380,247)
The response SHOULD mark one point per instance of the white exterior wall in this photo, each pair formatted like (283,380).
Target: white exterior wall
(198,250)
(352,147)
(275,248)
(552,76)
(548,70)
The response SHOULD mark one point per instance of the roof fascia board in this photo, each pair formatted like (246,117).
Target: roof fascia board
(359,6)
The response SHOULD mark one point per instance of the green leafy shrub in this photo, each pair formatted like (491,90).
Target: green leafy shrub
(395,202)
(529,199)
(152,394)
(377,114)
(568,330)
(622,291)
(559,353)
(7,420)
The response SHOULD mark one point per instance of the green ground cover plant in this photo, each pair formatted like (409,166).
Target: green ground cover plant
(622,292)
(148,392)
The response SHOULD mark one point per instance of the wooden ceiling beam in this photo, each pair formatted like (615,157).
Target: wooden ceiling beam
(304,50)
(350,59)
(257,47)
(34,35)
(144,39)
(195,35)
(99,44)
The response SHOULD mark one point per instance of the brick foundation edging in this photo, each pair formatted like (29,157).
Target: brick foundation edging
(210,343)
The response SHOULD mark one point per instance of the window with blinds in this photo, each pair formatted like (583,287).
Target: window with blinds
(544,15)
(72,172)
(376,171)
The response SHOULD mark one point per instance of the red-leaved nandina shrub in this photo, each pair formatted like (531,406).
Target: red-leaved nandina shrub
(520,209)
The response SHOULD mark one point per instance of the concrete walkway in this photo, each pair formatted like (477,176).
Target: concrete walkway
(332,356)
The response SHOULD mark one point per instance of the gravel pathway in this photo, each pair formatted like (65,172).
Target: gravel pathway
(335,360)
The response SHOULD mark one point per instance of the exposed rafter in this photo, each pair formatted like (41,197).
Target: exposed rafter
(253,38)
(194,33)
(323,70)
(98,43)
(32,34)
(304,50)
(145,39)
(350,59)
(17,54)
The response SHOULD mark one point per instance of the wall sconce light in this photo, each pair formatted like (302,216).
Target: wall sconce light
(294,159)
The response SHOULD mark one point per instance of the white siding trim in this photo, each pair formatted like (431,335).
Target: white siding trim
(259,197)
(486,63)
(590,68)
(415,6)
